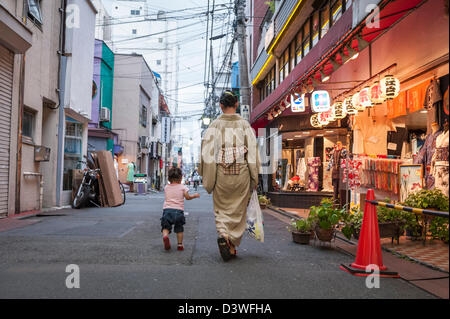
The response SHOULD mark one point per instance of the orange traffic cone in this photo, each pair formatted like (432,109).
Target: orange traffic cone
(369,247)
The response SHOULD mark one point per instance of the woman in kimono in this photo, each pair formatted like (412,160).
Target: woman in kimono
(229,166)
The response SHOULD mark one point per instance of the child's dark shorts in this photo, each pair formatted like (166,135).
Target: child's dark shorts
(173,217)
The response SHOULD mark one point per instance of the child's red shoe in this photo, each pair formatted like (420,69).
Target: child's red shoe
(166,242)
(180,247)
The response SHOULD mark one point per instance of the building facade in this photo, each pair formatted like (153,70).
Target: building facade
(100,135)
(76,77)
(332,54)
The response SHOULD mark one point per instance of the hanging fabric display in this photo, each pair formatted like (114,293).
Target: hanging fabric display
(313,170)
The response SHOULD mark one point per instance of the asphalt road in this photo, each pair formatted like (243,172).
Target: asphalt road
(120,254)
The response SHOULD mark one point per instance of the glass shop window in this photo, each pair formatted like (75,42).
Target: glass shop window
(336,9)
(306,38)
(325,20)
(315,27)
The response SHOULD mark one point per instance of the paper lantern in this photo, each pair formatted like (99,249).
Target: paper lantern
(315,120)
(376,96)
(298,102)
(320,101)
(339,110)
(323,118)
(356,104)
(390,87)
(364,97)
(330,114)
(348,104)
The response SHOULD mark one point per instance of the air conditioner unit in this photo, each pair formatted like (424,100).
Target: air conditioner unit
(105,114)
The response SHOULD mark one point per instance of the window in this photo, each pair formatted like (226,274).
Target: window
(158,62)
(134,31)
(34,10)
(135,12)
(292,48)
(160,40)
(72,151)
(28,124)
(306,37)
(285,64)
(315,28)
(298,47)
(143,116)
(325,20)
(336,9)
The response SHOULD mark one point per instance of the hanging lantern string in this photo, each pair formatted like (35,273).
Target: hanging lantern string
(366,81)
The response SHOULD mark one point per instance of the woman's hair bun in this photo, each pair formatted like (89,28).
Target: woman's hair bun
(228,99)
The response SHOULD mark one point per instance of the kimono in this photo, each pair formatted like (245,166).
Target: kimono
(424,157)
(229,166)
(440,163)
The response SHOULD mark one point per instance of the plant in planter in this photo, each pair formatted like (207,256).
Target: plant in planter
(432,199)
(301,231)
(324,218)
(263,201)
(392,222)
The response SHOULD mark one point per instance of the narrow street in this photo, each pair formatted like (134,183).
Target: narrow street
(120,255)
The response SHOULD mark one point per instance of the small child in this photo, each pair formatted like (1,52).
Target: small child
(173,209)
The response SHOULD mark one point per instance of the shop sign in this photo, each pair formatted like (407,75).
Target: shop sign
(165,138)
(364,97)
(315,120)
(320,101)
(348,105)
(339,111)
(298,102)
(390,87)
(376,95)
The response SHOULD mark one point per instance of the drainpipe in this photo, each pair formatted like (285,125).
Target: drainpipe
(19,135)
(61,87)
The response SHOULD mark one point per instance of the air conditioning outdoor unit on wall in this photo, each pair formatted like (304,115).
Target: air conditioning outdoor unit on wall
(105,114)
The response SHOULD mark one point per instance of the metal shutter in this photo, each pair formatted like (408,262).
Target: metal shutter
(6,80)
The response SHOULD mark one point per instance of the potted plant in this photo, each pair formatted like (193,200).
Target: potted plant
(301,231)
(392,222)
(324,218)
(352,222)
(263,201)
(432,199)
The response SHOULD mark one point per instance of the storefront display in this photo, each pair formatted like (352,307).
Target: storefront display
(313,172)
(440,162)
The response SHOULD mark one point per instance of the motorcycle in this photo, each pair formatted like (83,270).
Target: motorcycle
(88,191)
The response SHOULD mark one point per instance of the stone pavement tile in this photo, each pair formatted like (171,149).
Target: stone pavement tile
(434,253)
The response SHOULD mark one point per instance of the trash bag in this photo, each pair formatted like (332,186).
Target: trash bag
(255,222)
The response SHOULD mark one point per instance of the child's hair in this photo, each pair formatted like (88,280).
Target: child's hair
(175,174)
(228,99)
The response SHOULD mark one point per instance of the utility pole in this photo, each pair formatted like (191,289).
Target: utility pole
(244,86)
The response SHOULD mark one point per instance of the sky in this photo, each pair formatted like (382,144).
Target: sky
(192,63)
